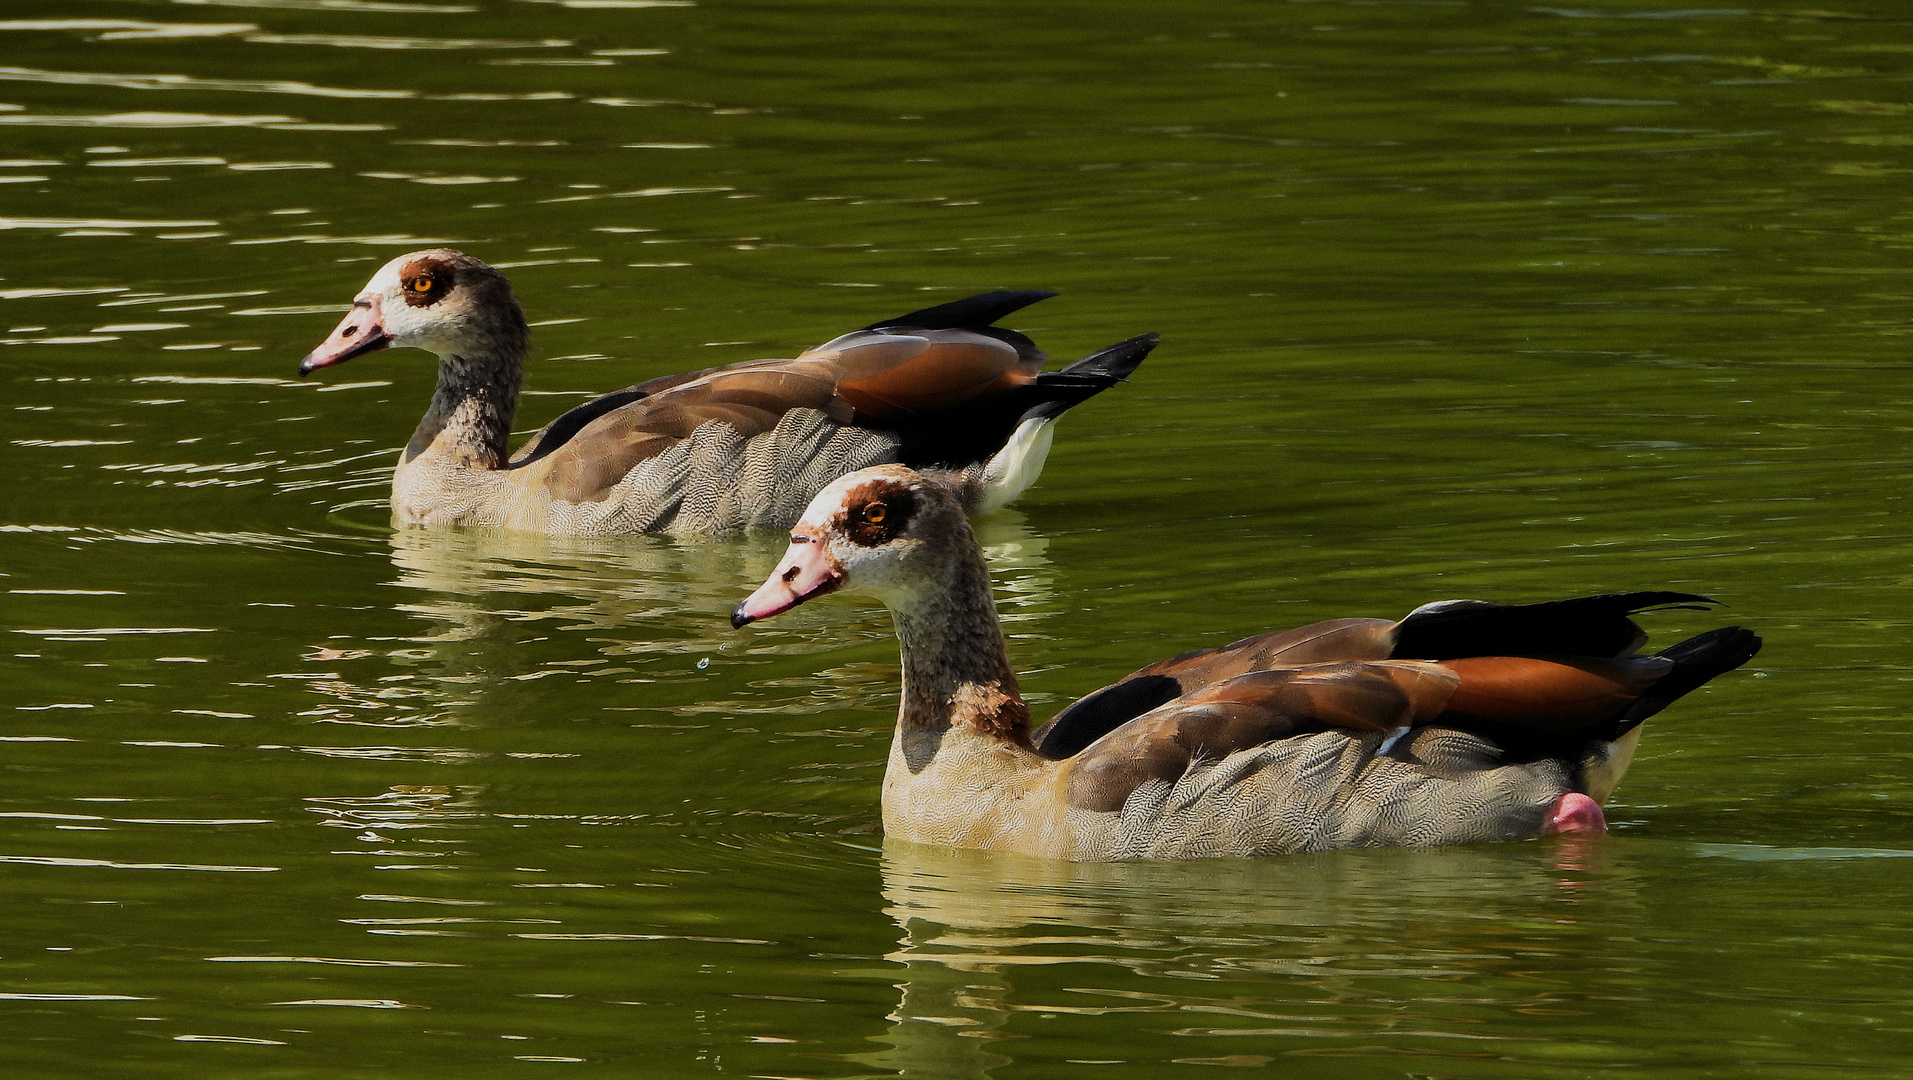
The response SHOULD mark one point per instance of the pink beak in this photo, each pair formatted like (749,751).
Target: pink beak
(805,572)
(362,331)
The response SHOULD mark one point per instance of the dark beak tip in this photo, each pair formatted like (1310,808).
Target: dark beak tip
(739,620)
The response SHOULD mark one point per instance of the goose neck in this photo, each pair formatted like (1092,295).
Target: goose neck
(956,671)
(470,418)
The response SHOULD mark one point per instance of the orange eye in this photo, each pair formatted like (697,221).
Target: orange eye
(422,283)
(874,513)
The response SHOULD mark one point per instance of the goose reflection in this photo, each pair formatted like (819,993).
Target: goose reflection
(1299,953)
(474,582)
(504,609)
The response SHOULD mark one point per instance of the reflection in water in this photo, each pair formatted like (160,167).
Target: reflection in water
(402,809)
(482,578)
(504,609)
(1406,946)
(622,603)
(653,576)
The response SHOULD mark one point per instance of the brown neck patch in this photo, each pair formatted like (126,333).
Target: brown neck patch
(993,710)
(1008,722)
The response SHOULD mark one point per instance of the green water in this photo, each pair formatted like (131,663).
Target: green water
(1480,299)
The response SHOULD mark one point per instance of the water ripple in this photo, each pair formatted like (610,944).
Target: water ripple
(377,240)
(639,193)
(82,223)
(119,630)
(49,860)
(615,4)
(354,1003)
(298,541)
(324,960)
(1764,853)
(435,755)
(645,937)
(446,901)
(418,178)
(189,82)
(72,997)
(1678,13)
(336,5)
(360,41)
(165,298)
(130,29)
(175,120)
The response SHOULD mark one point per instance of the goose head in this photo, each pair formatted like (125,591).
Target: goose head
(887,531)
(442,301)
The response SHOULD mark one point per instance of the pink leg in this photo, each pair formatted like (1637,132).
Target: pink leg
(1574,812)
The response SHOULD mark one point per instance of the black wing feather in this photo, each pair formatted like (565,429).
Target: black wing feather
(971,313)
(1596,626)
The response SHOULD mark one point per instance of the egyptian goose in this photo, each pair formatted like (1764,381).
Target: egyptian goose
(1464,722)
(724,448)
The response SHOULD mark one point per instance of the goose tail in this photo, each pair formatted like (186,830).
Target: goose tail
(1696,661)
(1013,469)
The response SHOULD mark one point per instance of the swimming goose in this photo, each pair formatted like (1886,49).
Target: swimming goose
(708,451)
(1464,722)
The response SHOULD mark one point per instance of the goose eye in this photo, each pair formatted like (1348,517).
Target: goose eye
(422,284)
(875,514)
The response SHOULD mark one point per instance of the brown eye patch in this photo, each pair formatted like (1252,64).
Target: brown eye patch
(877,512)
(423,282)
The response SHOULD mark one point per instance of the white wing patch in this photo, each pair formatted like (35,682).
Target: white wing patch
(1015,467)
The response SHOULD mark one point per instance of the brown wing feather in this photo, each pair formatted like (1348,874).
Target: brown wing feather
(671,382)
(1248,711)
(750,400)
(1328,642)
(1139,691)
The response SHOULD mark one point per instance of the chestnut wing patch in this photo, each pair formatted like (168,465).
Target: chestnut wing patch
(892,378)
(1248,711)
(1557,694)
